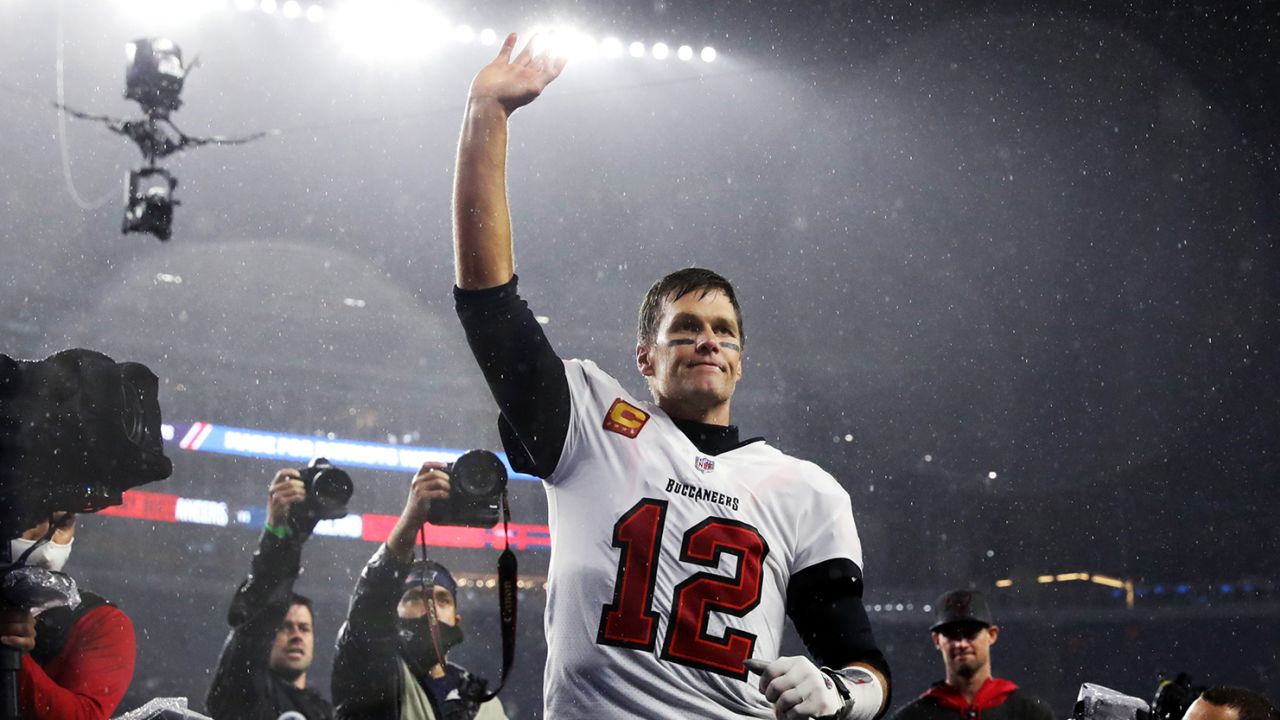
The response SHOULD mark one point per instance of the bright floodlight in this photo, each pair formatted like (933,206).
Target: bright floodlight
(611,47)
(170,11)
(315,13)
(569,43)
(637,49)
(488,36)
(389,29)
(464,34)
(269,7)
(708,54)
(291,9)
(685,52)
(661,51)
(538,41)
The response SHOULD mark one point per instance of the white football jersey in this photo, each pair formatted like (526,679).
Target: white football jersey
(670,567)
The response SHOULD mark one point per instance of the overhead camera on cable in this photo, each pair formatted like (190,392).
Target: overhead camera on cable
(154,78)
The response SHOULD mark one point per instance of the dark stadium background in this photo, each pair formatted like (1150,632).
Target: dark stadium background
(1008,270)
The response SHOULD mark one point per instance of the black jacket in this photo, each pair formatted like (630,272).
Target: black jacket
(244,688)
(367,680)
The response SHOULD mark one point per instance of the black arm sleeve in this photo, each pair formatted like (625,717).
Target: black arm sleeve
(524,374)
(240,684)
(825,603)
(366,670)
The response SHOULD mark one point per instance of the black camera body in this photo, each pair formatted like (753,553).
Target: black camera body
(77,430)
(329,489)
(477,480)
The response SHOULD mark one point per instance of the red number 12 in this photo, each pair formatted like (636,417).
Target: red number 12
(629,622)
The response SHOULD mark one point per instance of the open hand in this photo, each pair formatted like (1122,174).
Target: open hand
(515,83)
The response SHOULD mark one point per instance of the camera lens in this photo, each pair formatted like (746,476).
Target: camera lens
(479,473)
(332,484)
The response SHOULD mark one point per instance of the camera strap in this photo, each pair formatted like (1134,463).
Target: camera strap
(508,577)
(507,589)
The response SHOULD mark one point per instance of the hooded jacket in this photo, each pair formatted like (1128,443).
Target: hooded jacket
(997,699)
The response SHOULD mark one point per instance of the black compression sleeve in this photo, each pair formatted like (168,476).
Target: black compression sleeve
(524,374)
(825,603)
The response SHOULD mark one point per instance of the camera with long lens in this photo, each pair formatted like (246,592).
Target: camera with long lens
(328,488)
(477,480)
(77,430)
(1096,702)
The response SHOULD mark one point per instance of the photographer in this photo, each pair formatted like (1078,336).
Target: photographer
(262,672)
(391,663)
(76,663)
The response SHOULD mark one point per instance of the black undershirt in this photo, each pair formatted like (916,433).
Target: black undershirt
(528,382)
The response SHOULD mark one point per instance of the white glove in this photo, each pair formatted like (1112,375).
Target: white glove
(796,687)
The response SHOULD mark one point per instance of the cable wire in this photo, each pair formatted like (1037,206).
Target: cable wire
(64,148)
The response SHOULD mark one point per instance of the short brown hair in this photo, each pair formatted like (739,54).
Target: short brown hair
(304,601)
(675,286)
(1248,704)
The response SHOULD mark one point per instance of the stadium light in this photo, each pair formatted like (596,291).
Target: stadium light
(170,11)
(611,47)
(408,29)
(389,29)
(569,43)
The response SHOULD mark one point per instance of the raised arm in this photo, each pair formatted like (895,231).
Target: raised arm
(366,669)
(481,221)
(240,680)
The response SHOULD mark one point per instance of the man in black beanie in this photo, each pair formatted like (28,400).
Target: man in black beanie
(392,657)
(963,634)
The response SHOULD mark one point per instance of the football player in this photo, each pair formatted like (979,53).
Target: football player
(677,547)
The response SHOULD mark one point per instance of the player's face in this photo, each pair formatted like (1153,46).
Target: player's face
(413,605)
(695,361)
(965,649)
(295,643)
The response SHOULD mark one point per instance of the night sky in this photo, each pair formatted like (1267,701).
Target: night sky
(1008,270)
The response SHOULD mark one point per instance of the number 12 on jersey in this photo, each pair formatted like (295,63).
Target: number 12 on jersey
(629,620)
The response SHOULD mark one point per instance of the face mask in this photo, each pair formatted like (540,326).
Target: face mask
(50,555)
(416,646)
